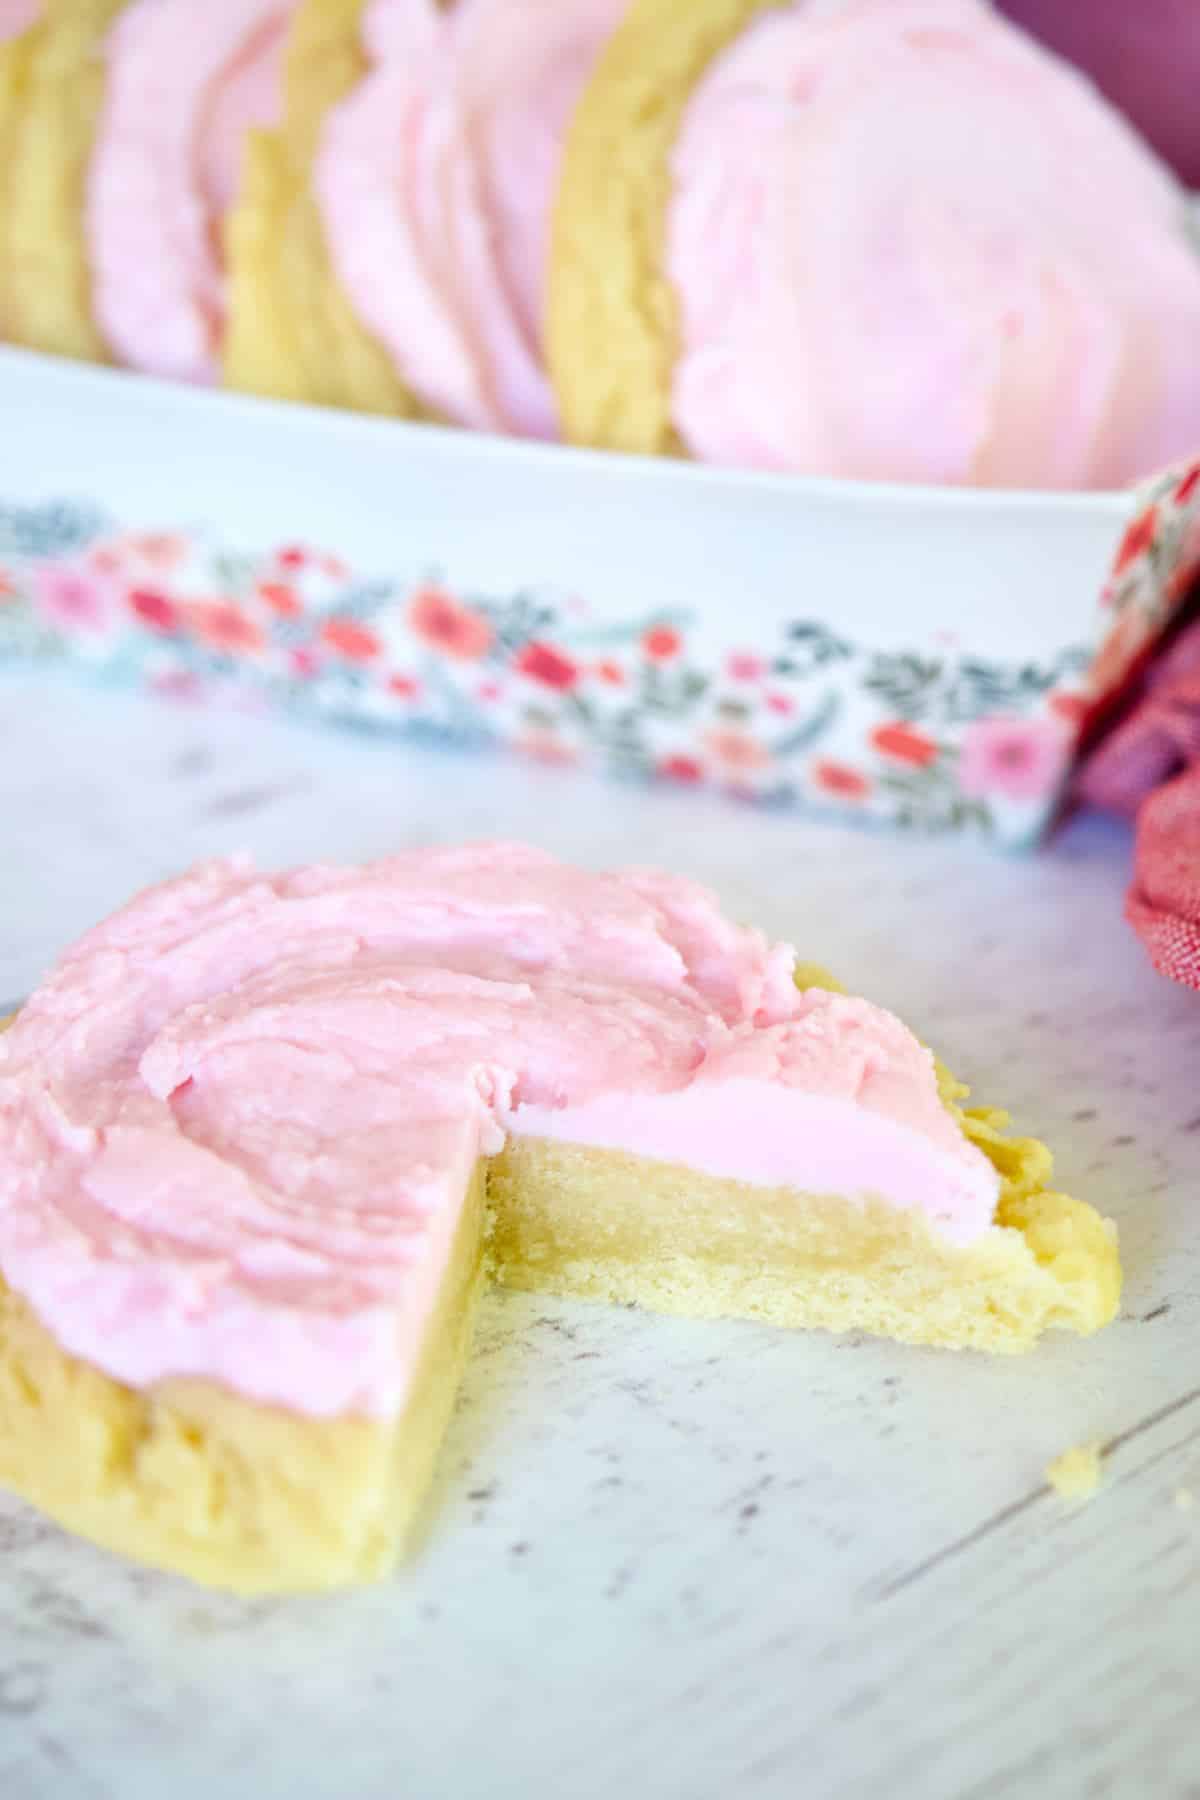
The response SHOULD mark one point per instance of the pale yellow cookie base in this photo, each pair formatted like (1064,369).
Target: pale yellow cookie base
(291,331)
(667,1239)
(51,88)
(234,1494)
(611,318)
(192,1478)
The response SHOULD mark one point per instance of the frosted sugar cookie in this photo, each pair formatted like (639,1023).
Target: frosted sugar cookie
(263,1137)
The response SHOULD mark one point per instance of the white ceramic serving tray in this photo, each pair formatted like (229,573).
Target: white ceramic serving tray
(912,656)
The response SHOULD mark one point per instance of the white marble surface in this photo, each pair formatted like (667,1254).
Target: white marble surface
(664,1558)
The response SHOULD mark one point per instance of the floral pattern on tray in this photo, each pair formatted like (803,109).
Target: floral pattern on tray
(1155,569)
(929,738)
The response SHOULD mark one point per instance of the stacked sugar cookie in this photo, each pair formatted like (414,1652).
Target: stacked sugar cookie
(888,239)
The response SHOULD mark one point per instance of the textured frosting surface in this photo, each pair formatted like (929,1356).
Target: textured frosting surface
(184,85)
(906,243)
(435,181)
(238,1120)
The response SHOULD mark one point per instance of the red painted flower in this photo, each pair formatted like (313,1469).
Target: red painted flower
(838,778)
(1187,485)
(351,640)
(542,662)
(224,626)
(443,622)
(8,587)
(404,687)
(611,672)
(292,556)
(661,643)
(281,598)
(744,666)
(905,744)
(154,609)
(1138,538)
(681,768)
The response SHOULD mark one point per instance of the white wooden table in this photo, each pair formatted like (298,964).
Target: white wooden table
(670,1558)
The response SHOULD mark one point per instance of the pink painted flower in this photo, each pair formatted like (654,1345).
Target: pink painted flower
(743,666)
(545,664)
(1020,759)
(445,624)
(783,704)
(489,692)
(736,750)
(840,779)
(681,768)
(404,687)
(610,672)
(154,609)
(74,599)
(8,587)
(304,663)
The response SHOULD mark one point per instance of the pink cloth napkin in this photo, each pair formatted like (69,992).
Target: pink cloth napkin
(1148,768)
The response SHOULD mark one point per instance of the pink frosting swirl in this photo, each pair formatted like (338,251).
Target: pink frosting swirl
(435,181)
(237,1122)
(185,83)
(910,245)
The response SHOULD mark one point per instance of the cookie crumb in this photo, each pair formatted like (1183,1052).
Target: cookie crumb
(1076,1473)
